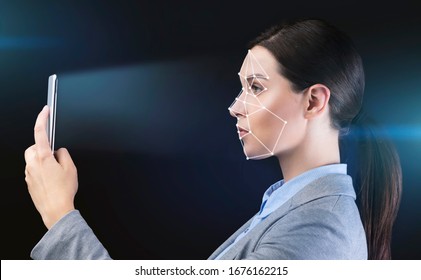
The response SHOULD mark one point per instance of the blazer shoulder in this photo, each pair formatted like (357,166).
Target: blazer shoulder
(326,186)
(322,221)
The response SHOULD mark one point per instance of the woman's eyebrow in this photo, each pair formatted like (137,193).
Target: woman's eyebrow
(257,75)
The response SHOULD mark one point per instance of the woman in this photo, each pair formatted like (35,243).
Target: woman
(302,88)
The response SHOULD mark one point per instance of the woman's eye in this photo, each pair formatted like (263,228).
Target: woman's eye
(256,89)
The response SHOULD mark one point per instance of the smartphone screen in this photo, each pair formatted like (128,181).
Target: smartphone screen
(52,104)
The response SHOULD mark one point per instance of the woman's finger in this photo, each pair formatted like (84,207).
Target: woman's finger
(40,134)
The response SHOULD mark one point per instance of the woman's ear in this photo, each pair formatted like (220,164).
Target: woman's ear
(318,96)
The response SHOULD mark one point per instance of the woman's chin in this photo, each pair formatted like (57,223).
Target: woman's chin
(256,155)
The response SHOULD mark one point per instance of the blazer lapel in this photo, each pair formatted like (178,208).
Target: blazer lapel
(242,244)
(230,240)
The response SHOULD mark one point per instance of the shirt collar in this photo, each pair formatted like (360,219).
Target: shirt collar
(278,193)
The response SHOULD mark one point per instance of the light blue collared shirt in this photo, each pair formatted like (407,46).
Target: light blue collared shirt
(275,196)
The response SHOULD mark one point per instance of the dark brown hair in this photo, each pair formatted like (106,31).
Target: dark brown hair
(312,51)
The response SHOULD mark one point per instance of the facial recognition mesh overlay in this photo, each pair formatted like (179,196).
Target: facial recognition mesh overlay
(250,108)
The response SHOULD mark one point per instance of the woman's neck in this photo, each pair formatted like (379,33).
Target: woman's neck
(314,151)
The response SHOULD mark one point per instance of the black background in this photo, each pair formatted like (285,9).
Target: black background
(179,186)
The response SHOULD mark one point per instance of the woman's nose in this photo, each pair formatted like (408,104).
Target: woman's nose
(237,108)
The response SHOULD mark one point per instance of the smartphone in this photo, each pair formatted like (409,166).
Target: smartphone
(52,104)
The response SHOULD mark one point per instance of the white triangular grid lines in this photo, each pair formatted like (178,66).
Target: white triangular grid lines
(250,64)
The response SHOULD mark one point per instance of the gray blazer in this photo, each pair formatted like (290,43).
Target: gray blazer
(319,222)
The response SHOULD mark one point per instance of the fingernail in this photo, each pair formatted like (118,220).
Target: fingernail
(45,107)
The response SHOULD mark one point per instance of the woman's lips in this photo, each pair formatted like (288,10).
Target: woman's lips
(242,132)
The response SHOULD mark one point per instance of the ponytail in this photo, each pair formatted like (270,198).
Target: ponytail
(378,183)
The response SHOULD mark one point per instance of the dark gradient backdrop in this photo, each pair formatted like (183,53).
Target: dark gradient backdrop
(144,90)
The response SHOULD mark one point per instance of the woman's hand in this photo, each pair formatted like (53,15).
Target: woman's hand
(52,181)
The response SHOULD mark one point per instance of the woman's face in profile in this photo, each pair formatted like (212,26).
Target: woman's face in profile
(270,115)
